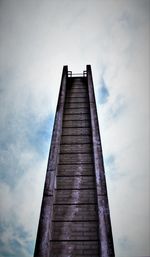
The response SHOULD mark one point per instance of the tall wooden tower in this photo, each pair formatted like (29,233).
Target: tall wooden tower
(75,218)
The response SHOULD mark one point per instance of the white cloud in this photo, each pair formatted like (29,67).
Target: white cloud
(127,137)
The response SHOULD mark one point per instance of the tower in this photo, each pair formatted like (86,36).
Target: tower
(75,218)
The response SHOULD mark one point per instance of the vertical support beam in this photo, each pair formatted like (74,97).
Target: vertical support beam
(42,247)
(105,231)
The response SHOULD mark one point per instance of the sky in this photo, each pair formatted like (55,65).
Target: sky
(36,39)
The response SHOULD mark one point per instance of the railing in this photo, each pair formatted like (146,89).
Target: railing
(83,74)
(42,247)
(105,230)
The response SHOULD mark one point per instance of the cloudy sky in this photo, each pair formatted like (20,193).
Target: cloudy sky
(36,39)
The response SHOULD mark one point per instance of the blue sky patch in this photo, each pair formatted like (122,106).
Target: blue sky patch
(32,135)
(103,92)
(20,244)
(39,135)
(118,107)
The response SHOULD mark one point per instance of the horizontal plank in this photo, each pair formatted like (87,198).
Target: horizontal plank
(75,196)
(75,182)
(76,105)
(76,94)
(75,169)
(78,148)
(77,90)
(76,139)
(78,117)
(75,212)
(76,131)
(75,248)
(76,123)
(75,230)
(79,158)
(76,100)
(76,110)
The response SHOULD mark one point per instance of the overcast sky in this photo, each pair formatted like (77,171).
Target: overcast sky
(36,39)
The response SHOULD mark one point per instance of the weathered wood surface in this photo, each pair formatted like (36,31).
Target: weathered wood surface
(75,219)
